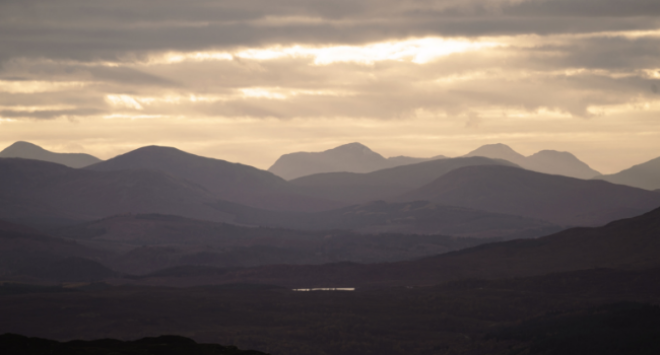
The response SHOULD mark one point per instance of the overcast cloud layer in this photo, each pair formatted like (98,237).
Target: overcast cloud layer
(229,78)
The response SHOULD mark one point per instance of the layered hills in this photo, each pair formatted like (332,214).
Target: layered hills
(553,198)
(352,157)
(628,244)
(383,184)
(223,180)
(545,161)
(27,150)
(645,175)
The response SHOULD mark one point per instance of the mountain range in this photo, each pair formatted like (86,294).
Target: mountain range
(27,150)
(222,179)
(352,157)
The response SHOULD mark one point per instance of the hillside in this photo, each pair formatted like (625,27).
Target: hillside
(644,176)
(383,184)
(553,198)
(27,150)
(352,157)
(230,181)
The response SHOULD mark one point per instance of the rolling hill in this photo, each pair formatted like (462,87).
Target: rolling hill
(644,176)
(27,150)
(557,199)
(383,184)
(224,180)
(352,157)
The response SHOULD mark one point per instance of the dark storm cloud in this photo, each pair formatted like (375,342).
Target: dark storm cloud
(87,30)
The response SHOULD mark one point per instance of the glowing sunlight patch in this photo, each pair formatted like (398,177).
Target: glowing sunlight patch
(420,51)
(30,87)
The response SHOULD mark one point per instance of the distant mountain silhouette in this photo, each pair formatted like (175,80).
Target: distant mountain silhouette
(352,157)
(419,217)
(32,189)
(231,181)
(498,151)
(27,150)
(559,163)
(557,199)
(383,184)
(545,161)
(628,244)
(645,176)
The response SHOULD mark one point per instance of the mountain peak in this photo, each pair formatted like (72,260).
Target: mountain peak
(498,151)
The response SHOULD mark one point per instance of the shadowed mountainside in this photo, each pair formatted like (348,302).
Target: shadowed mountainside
(628,244)
(557,199)
(419,217)
(352,157)
(545,161)
(644,176)
(383,184)
(230,181)
(41,190)
(27,150)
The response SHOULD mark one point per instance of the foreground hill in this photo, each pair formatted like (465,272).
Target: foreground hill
(230,181)
(545,161)
(352,157)
(557,199)
(418,217)
(644,176)
(629,244)
(36,190)
(171,345)
(383,184)
(27,150)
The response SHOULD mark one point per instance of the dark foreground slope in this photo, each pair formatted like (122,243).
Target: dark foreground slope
(557,199)
(471,317)
(230,181)
(27,150)
(383,184)
(644,176)
(629,244)
(170,345)
(35,190)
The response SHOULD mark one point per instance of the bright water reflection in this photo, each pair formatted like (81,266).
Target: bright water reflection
(326,289)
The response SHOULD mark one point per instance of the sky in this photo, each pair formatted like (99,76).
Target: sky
(250,80)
